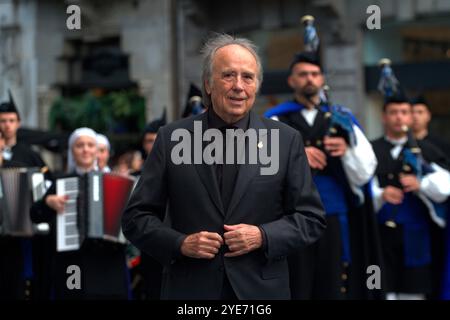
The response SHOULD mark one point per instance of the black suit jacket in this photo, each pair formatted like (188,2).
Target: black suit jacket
(285,205)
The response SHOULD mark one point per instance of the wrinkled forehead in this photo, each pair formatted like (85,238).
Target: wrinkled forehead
(234,54)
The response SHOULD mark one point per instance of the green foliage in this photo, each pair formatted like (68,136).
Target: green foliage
(114,112)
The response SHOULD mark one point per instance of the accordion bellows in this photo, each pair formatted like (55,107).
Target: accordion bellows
(19,188)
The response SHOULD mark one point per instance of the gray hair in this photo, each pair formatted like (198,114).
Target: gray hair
(210,48)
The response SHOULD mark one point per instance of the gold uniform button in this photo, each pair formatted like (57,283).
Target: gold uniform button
(319,143)
(390,176)
(333,130)
(308,143)
(343,290)
(344,276)
(345,264)
(407,168)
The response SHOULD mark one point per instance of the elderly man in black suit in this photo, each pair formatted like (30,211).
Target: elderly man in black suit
(222,223)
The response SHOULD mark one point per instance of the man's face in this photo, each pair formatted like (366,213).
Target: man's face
(148,141)
(84,151)
(421,117)
(396,116)
(234,82)
(9,124)
(102,156)
(306,79)
(137,161)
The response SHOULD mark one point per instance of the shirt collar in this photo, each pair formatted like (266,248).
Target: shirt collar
(216,122)
(396,142)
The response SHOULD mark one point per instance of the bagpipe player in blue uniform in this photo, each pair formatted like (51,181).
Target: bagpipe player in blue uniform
(440,238)
(410,185)
(343,162)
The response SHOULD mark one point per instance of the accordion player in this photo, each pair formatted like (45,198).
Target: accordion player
(93,210)
(19,188)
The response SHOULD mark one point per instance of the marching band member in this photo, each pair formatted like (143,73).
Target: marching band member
(102,264)
(104,150)
(20,258)
(343,162)
(411,180)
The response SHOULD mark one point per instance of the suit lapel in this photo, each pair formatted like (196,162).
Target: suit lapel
(205,171)
(246,171)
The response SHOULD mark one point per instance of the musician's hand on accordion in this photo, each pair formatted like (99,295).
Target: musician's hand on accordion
(409,182)
(56,202)
(335,146)
(316,158)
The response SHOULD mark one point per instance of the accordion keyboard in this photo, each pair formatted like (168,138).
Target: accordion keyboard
(68,237)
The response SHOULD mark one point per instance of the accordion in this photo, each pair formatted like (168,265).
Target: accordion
(93,209)
(19,188)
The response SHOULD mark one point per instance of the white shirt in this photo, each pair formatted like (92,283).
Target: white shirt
(359,161)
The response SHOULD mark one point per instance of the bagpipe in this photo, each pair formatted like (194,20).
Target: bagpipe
(339,121)
(340,124)
(389,86)
(196,104)
(412,163)
(412,160)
